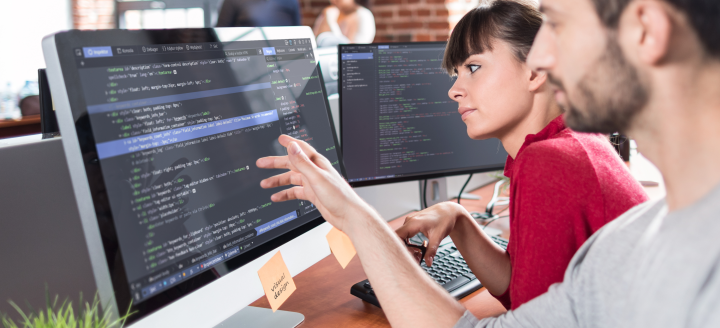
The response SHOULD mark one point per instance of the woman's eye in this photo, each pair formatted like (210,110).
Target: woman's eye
(473,68)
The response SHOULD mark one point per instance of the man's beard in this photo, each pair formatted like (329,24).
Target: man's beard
(611,95)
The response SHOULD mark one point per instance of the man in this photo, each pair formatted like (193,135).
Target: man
(648,68)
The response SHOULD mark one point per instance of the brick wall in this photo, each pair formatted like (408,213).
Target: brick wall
(404,20)
(458,8)
(396,20)
(93,14)
(311,9)
(411,20)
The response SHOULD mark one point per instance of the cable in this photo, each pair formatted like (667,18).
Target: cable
(424,195)
(493,220)
(463,187)
(503,210)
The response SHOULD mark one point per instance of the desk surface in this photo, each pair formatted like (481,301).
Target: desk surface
(323,290)
(23,126)
(26,120)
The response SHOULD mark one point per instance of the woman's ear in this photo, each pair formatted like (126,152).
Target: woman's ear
(537,80)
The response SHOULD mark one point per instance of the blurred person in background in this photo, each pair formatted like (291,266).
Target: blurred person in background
(252,13)
(345,21)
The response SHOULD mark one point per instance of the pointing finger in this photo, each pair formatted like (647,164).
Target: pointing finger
(302,163)
(273,162)
(289,194)
(311,152)
(284,179)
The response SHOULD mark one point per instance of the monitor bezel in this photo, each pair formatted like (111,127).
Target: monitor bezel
(112,285)
(409,177)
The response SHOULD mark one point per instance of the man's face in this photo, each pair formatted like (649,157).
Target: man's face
(598,88)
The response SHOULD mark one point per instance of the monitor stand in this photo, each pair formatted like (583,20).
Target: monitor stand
(436,193)
(256,317)
(469,196)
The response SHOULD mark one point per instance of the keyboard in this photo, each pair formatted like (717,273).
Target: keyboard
(449,270)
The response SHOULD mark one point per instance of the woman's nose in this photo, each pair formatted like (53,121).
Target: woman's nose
(457,92)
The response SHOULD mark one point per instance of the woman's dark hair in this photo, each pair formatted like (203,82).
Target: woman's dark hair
(506,20)
(364,3)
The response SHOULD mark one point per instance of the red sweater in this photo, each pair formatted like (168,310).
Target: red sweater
(564,186)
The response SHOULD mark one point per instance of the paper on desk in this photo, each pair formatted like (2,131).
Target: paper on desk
(276,281)
(341,246)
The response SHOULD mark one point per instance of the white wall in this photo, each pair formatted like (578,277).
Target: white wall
(23,24)
(393,200)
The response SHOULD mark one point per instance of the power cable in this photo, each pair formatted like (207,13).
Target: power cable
(463,187)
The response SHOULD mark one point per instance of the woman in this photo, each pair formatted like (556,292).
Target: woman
(256,13)
(345,21)
(564,185)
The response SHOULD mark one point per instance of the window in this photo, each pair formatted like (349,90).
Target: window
(167,14)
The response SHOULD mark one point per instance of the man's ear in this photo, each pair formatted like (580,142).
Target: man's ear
(647,28)
(537,80)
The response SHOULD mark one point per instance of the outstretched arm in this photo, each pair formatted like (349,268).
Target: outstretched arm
(408,296)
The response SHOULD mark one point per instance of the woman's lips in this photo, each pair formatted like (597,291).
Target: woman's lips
(465,112)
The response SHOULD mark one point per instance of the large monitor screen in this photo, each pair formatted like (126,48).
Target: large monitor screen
(170,125)
(397,120)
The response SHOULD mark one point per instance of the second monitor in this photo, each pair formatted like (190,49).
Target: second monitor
(397,121)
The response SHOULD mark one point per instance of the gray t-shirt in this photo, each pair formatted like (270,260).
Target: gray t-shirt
(647,268)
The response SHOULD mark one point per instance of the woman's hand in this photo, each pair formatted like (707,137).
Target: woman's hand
(315,180)
(435,222)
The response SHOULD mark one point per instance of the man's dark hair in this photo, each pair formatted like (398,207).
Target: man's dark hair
(509,21)
(704,15)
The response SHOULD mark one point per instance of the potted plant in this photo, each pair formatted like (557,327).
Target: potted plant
(65,316)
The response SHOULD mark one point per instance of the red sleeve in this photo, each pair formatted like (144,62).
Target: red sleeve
(553,193)
(504,298)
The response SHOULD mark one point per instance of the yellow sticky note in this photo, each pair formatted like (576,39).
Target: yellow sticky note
(341,246)
(276,281)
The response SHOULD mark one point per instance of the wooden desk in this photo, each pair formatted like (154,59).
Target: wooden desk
(323,290)
(24,126)
(323,293)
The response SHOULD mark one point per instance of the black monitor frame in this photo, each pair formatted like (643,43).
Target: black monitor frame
(414,176)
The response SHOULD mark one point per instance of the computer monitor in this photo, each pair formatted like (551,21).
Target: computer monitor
(328,59)
(162,129)
(397,121)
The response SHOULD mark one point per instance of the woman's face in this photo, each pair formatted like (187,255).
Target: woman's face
(493,92)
